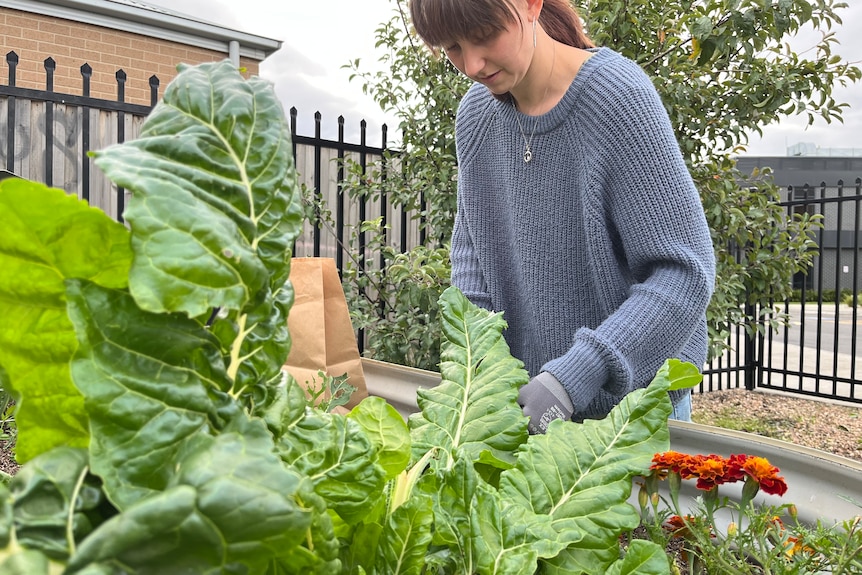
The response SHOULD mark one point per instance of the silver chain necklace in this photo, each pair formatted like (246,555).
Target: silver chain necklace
(528,142)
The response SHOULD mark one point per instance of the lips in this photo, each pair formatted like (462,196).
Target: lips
(490,78)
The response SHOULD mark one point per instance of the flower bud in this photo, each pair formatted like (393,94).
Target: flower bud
(732,529)
(792,511)
(643,497)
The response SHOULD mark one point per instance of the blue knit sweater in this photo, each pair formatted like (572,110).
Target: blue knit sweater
(597,251)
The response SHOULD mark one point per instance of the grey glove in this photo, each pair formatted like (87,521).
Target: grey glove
(543,400)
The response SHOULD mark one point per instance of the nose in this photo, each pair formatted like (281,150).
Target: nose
(473,60)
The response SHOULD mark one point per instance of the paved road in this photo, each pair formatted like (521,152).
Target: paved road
(805,325)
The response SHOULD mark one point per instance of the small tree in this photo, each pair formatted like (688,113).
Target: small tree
(723,71)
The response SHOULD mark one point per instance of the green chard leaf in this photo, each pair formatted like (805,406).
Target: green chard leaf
(25,562)
(642,558)
(54,498)
(486,533)
(43,243)
(214,212)
(339,458)
(475,406)
(386,429)
(231,503)
(151,382)
(404,541)
(581,475)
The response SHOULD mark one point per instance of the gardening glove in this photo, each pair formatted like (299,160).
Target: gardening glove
(543,400)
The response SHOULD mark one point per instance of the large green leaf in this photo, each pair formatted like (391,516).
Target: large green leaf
(339,458)
(56,499)
(508,538)
(216,149)
(231,507)
(386,429)
(485,532)
(151,381)
(581,474)
(26,562)
(246,492)
(47,237)
(474,408)
(404,541)
(214,212)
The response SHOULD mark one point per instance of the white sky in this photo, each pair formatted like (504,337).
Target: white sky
(321,36)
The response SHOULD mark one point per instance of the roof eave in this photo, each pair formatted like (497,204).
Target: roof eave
(172,27)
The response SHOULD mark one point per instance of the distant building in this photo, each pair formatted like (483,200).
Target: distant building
(110,35)
(816,178)
(83,74)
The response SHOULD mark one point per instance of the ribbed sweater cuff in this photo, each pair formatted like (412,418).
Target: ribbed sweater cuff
(588,367)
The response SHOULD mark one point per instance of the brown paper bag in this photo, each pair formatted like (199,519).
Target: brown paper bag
(320,329)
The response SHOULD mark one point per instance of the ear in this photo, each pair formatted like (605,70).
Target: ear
(534,8)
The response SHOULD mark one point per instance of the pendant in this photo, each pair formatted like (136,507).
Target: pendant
(528,155)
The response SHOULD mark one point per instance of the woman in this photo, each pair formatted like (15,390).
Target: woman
(577,216)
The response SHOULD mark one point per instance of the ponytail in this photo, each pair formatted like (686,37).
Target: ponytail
(562,23)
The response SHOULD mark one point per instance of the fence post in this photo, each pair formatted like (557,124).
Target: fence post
(50,66)
(751,358)
(12,61)
(86,74)
(121,137)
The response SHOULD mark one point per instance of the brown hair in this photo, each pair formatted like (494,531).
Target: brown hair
(440,21)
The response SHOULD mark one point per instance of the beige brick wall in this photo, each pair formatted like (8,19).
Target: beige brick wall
(71,44)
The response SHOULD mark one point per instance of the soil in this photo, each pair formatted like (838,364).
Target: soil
(833,427)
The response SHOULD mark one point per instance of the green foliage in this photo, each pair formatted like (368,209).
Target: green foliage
(199,458)
(723,70)
(328,392)
(723,67)
(397,305)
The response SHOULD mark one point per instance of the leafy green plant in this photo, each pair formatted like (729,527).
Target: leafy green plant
(396,306)
(196,453)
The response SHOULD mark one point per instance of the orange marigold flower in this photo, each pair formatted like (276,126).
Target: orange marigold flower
(766,475)
(709,471)
(676,526)
(794,546)
(669,461)
(735,472)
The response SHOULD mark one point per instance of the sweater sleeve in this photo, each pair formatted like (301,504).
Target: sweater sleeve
(467,273)
(647,208)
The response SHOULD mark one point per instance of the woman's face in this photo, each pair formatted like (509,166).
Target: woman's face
(499,61)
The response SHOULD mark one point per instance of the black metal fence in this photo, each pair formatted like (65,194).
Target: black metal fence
(48,135)
(817,352)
